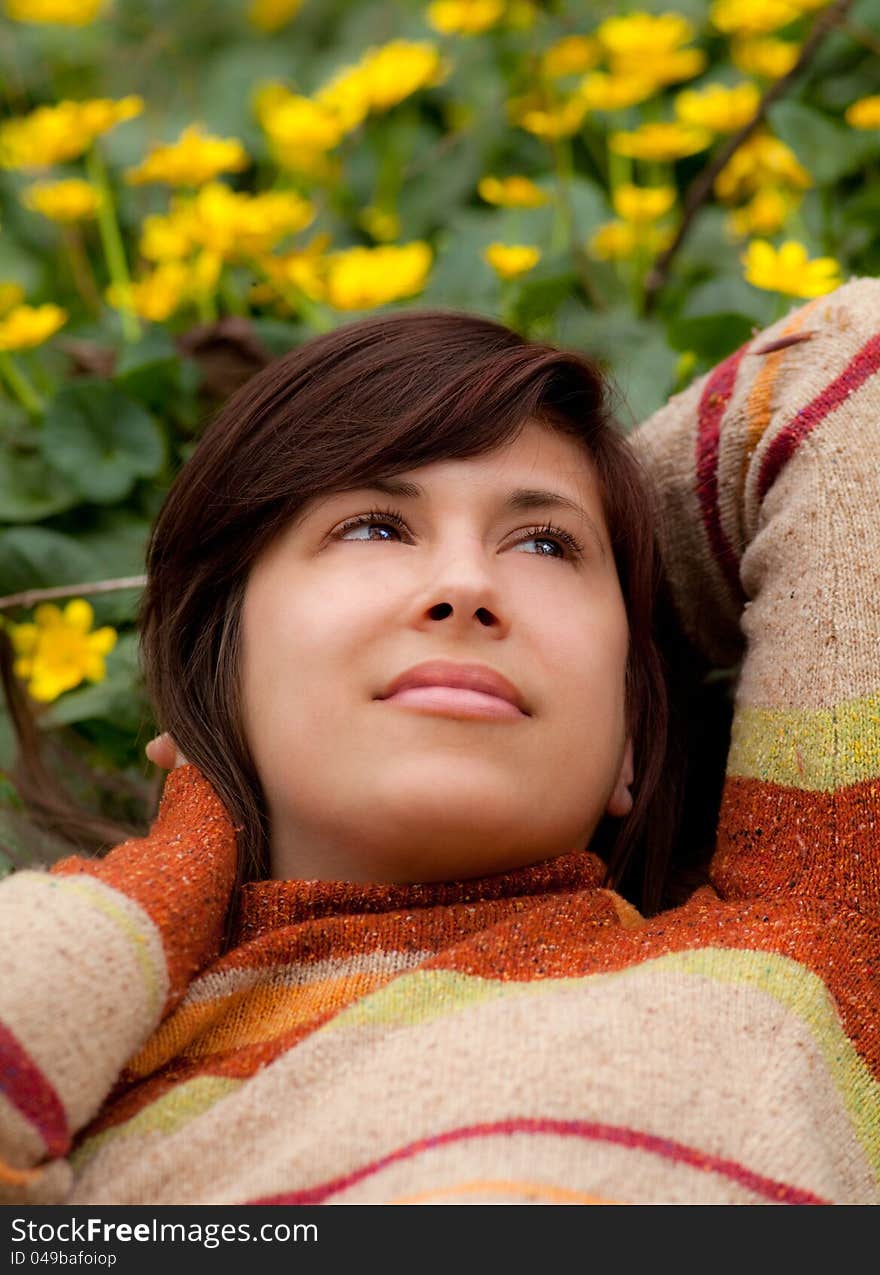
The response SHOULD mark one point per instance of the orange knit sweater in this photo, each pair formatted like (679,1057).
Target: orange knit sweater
(526,1036)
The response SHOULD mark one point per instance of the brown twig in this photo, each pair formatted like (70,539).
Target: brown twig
(700,188)
(31,596)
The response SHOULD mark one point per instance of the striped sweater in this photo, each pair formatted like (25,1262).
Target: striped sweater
(524,1037)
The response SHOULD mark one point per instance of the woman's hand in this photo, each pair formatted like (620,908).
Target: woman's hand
(162,751)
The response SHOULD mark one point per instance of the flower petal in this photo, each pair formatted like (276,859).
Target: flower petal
(48,615)
(79,615)
(102,641)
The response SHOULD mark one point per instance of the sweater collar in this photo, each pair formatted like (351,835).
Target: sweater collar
(269,905)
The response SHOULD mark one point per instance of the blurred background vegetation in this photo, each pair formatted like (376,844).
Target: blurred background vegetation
(187,191)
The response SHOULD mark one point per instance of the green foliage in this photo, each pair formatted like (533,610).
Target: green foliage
(100,440)
(95,423)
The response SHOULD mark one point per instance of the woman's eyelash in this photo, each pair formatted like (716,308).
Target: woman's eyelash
(547,531)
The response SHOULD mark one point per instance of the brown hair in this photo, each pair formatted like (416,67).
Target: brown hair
(373,398)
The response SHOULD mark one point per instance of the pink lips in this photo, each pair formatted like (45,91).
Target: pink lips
(473,690)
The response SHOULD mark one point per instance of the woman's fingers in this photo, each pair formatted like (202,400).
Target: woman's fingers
(162,751)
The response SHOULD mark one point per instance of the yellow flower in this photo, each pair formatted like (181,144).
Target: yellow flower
(361,278)
(642,204)
(548,121)
(291,120)
(723,110)
(11,294)
(54,134)
(568,56)
(66,201)
(67,13)
(762,160)
(27,325)
(620,240)
(384,76)
(464,17)
(303,270)
(604,92)
(227,222)
(765,213)
(788,269)
(521,15)
(752,17)
(272,15)
(768,58)
(157,295)
(267,218)
(671,68)
(393,71)
(511,192)
(661,141)
(510,260)
(165,236)
(382,223)
(193,159)
(57,651)
(345,98)
(865,113)
(644,46)
(640,36)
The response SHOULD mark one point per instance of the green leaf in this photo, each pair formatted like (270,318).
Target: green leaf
(31,488)
(711,337)
(540,294)
(278,336)
(730,294)
(8,742)
(156,345)
(117,539)
(589,208)
(101,440)
(443,178)
(460,277)
(632,351)
(826,149)
(153,372)
(38,558)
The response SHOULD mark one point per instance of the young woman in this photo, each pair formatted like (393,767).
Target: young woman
(400,627)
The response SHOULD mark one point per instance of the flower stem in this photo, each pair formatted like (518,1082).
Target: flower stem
(111,241)
(81,269)
(564,224)
(207,306)
(619,170)
(20,385)
(232,299)
(563,227)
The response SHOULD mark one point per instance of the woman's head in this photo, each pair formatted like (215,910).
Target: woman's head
(271,624)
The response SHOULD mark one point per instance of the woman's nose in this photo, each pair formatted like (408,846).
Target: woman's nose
(441,610)
(463,590)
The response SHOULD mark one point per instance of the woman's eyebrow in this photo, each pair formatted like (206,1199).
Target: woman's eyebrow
(521,498)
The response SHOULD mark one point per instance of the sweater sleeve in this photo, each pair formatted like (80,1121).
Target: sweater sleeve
(94,954)
(768,472)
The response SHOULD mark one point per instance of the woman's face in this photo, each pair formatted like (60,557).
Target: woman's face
(422,786)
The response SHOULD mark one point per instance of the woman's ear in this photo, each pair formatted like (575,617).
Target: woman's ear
(162,751)
(620,802)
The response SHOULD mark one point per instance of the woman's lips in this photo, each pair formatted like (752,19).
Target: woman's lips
(454,701)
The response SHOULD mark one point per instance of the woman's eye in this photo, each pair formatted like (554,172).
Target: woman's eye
(388,520)
(546,540)
(367,522)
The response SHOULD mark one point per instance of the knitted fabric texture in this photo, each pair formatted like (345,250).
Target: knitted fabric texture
(525,1037)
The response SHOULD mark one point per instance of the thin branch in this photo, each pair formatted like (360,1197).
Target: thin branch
(701,187)
(31,596)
